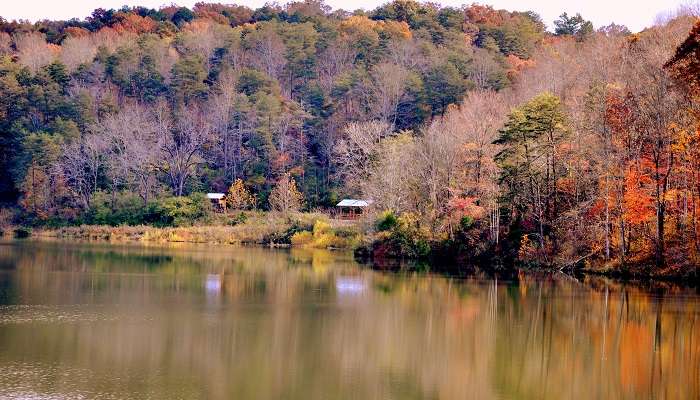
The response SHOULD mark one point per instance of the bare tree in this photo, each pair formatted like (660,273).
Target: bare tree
(136,147)
(437,156)
(5,43)
(183,135)
(357,151)
(76,51)
(266,49)
(33,51)
(335,60)
(82,163)
(392,180)
(386,91)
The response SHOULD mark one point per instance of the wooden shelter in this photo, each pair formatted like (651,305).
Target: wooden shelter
(351,208)
(218,201)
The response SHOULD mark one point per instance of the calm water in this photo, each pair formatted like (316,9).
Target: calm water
(120,322)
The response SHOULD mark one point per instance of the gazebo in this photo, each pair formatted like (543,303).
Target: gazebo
(218,201)
(352,208)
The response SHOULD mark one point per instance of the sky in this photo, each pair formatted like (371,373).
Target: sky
(635,14)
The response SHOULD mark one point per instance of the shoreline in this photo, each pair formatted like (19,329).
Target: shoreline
(245,236)
(303,230)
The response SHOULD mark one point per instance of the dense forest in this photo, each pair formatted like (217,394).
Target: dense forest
(473,127)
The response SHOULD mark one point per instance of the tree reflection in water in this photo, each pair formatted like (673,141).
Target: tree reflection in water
(111,321)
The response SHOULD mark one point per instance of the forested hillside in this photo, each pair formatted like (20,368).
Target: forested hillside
(476,128)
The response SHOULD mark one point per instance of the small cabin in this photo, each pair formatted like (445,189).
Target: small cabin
(351,208)
(218,201)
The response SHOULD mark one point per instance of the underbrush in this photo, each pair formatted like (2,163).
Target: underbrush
(243,227)
(324,236)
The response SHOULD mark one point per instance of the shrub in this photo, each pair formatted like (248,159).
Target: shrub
(466,222)
(128,209)
(323,236)
(387,221)
(321,227)
(237,219)
(402,237)
(185,211)
(302,238)
(22,233)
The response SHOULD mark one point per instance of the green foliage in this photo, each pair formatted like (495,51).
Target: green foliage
(532,132)
(238,219)
(252,81)
(188,78)
(127,209)
(185,210)
(409,238)
(387,221)
(444,85)
(573,26)
(466,222)
(182,15)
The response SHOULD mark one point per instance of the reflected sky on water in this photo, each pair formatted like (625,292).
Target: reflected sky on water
(126,322)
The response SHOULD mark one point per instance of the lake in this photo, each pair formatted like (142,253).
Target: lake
(105,321)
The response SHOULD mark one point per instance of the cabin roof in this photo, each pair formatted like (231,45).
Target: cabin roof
(353,203)
(215,196)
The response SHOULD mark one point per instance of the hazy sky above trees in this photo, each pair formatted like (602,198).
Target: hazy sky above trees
(636,14)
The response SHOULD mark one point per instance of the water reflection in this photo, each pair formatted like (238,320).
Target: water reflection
(349,285)
(103,322)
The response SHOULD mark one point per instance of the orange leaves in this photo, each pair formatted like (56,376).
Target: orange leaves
(361,25)
(517,65)
(395,29)
(129,22)
(618,114)
(638,201)
(483,15)
(358,23)
(74,31)
(527,250)
(210,12)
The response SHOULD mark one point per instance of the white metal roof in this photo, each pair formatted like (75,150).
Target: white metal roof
(216,196)
(353,203)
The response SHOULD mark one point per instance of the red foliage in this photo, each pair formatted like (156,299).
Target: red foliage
(466,207)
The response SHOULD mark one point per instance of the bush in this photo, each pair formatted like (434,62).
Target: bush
(401,237)
(128,209)
(321,227)
(185,211)
(302,238)
(323,237)
(22,233)
(387,221)
(238,219)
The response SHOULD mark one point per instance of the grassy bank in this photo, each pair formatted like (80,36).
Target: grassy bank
(311,230)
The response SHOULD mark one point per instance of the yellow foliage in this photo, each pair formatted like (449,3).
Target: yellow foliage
(238,197)
(302,238)
(321,227)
